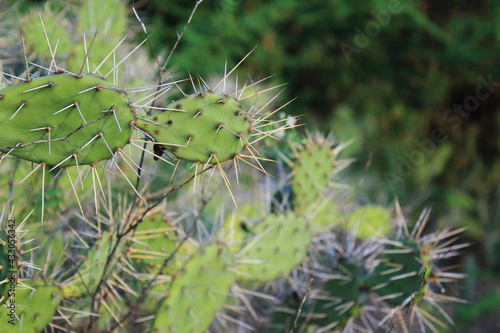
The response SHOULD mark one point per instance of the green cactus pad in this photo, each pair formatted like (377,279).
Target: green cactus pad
(206,128)
(153,242)
(314,165)
(34,308)
(369,221)
(82,115)
(236,228)
(276,246)
(197,292)
(10,261)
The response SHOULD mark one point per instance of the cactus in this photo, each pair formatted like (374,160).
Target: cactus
(13,261)
(91,268)
(368,221)
(315,163)
(275,246)
(34,308)
(154,241)
(64,120)
(202,128)
(161,264)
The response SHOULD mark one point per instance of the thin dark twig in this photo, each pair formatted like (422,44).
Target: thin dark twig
(179,36)
(296,321)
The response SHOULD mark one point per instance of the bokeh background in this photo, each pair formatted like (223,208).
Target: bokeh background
(414,84)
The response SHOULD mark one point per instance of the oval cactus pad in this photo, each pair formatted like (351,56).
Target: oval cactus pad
(64,119)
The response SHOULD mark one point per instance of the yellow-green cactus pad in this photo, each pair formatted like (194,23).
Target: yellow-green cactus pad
(198,291)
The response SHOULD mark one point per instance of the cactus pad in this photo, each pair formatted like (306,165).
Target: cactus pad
(34,308)
(368,221)
(197,292)
(64,119)
(204,127)
(401,274)
(314,165)
(276,246)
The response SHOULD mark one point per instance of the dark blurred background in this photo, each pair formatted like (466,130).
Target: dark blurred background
(412,82)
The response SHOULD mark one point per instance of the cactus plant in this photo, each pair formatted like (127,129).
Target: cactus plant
(46,296)
(274,247)
(197,292)
(154,258)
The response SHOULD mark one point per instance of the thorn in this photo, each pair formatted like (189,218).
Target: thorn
(50,84)
(18,109)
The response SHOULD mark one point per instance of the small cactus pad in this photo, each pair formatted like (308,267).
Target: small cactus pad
(401,274)
(314,165)
(64,119)
(276,246)
(204,127)
(236,227)
(197,292)
(31,309)
(369,221)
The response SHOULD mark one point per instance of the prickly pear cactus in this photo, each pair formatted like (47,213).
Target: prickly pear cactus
(204,128)
(153,242)
(64,119)
(275,246)
(197,292)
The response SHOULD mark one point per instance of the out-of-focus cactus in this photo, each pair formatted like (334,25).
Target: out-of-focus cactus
(273,247)
(34,307)
(198,291)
